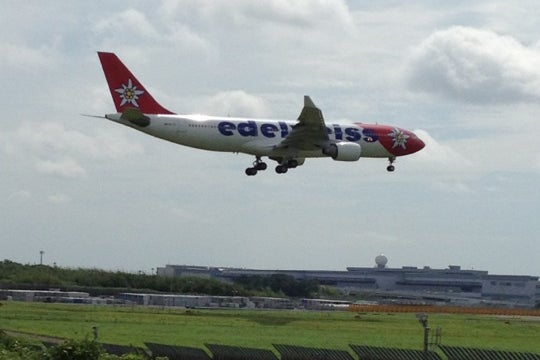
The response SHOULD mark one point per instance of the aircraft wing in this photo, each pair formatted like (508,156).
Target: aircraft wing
(310,132)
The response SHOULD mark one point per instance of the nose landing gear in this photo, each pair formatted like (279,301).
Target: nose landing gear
(391,167)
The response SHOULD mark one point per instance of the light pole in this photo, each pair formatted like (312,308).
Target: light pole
(423,319)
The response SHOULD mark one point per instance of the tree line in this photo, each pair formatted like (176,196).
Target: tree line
(101,282)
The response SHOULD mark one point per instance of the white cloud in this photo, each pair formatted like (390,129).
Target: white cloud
(439,156)
(477,66)
(457,187)
(298,13)
(132,28)
(65,168)
(21,195)
(55,150)
(55,139)
(58,199)
(444,168)
(23,57)
(236,103)
(312,13)
(130,23)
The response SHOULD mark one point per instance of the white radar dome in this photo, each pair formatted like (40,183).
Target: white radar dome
(381,260)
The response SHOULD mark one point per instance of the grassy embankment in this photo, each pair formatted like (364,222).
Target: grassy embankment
(261,329)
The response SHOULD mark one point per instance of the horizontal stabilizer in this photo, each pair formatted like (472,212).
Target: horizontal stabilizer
(94,116)
(135,116)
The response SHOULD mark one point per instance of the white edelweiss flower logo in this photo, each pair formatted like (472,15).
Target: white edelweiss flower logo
(129,94)
(399,138)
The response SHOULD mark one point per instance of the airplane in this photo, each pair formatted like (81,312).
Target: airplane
(287,142)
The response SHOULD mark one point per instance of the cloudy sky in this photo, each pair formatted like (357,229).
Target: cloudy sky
(91,193)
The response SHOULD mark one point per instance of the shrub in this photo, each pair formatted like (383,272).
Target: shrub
(75,350)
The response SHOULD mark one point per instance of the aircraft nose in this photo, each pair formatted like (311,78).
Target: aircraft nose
(415,143)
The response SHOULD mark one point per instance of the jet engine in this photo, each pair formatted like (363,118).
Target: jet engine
(343,151)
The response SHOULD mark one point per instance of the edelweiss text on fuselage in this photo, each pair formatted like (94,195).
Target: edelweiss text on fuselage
(282,129)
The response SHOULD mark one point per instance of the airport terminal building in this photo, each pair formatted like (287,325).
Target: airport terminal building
(405,285)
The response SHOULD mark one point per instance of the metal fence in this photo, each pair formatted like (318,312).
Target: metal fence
(463,353)
(225,352)
(383,353)
(291,352)
(177,352)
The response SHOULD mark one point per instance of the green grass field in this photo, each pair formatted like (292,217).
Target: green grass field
(261,329)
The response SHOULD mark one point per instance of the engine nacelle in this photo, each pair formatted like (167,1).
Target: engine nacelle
(343,151)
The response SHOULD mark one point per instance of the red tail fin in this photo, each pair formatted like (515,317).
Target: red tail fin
(127,92)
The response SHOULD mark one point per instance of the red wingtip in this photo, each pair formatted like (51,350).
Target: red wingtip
(126,90)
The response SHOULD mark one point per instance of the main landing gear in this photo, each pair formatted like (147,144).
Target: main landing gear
(282,168)
(258,165)
(285,166)
(391,167)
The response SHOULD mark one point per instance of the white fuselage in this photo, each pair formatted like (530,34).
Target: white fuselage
(258,137)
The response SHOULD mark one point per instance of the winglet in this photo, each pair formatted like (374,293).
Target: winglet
(127,92)
(308,102)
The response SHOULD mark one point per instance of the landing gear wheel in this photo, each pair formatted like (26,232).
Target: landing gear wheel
(251,171)
(293,163)
(260,166)
(281,169)
(391,167)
